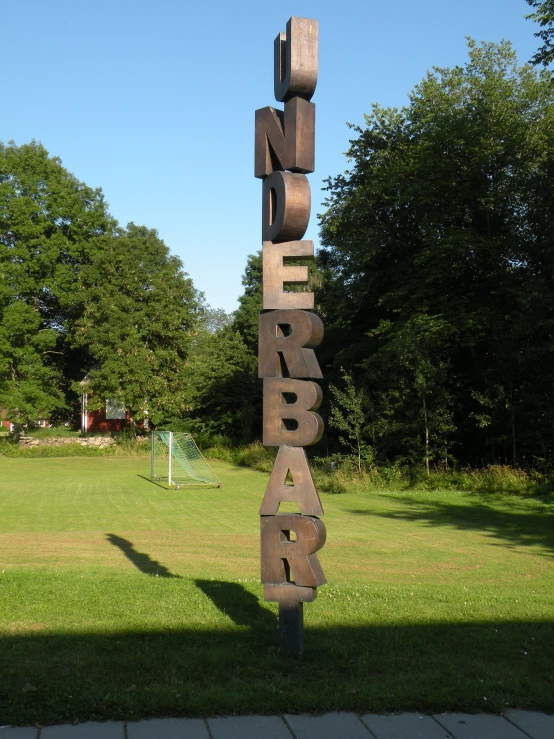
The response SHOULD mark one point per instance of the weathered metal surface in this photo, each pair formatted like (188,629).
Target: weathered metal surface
(290,336)
(288,592)
(277,275)
(285,140)
(286,204)
(295,60)
(288,412)
(302,491)
(289,545)
(284,153)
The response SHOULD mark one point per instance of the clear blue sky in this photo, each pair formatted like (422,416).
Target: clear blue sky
(154,101)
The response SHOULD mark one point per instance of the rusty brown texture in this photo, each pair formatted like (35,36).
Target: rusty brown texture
(285,140)
(289,545)
(290,335)
(277,275)
(289,593)
(295,60)
(291,459)
(288,412)
(286,204)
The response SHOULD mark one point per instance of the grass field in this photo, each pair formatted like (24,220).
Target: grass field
(122,600)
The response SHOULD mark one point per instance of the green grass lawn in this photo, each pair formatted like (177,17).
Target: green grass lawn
(122,600)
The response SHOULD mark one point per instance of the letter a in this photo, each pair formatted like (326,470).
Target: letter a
(291,459)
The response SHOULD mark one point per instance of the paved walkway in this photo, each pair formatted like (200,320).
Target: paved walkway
(512,725)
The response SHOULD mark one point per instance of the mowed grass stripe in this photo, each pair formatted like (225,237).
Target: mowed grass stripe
(121,599)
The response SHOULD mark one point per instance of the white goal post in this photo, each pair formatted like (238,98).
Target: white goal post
(176,460)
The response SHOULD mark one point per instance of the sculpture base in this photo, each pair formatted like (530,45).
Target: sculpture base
(291,628)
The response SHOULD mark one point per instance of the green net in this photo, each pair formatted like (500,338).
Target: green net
(177,460)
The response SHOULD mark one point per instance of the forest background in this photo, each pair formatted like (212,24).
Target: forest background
(435,282)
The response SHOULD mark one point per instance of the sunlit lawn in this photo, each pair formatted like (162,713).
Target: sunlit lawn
(119,599)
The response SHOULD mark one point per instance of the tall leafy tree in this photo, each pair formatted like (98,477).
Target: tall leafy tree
(438,264)
(223,387)
(245,319)
(139,319)
(410,366)
(50,224)
(544,16)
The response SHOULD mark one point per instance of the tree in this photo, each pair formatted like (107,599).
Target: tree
(223,386)
(350,416)
(245,319)
(214,319)
(50,224)
(411,368)
(545,18)
(438,260)
(80,295)
(139,319)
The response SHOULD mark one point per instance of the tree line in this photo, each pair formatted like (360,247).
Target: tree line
(80,293)
(437,266)
(435,281)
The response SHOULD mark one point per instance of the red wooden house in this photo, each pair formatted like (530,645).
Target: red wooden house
(43,423)
(111,417)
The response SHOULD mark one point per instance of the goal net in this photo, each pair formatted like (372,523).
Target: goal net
(177,460)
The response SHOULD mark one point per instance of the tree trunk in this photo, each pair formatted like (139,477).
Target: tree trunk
(426,437)
(513,419)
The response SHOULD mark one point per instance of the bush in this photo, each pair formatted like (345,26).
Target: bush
(330,483)
(339,474)
(8,447)
(175,424)
(257,456)
(501,479)
(127,443)
(221,453)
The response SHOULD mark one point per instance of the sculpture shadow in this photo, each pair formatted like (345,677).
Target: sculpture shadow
(242,607)
(514,525)
(142,561)
(68,677)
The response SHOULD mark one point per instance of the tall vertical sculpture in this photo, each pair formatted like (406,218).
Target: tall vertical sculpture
(289,333)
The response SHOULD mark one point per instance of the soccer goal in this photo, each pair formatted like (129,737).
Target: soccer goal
(177,460)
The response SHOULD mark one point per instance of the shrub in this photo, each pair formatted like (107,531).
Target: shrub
(257,456)
(504,479)
(8,447)
(222,453)
(330,483)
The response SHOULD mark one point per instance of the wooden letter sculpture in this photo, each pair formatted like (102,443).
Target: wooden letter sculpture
(289,333)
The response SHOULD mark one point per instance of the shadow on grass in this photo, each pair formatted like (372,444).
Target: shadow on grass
(181,486)
(141,561)
(516,527)
(157,483)
(61,678)
(242,607)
